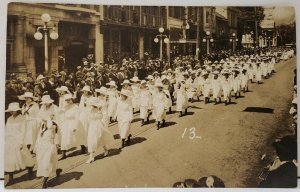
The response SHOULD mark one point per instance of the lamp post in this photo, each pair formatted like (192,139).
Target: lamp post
(233,40)
(159,38)
(208,39)
(44,31)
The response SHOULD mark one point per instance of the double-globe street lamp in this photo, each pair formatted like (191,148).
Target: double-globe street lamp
(208,39)
(44,31)
(160,38)
(233,41)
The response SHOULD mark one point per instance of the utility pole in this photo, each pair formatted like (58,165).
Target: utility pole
(198,34)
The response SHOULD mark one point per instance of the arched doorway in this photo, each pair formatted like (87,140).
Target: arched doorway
(74,54)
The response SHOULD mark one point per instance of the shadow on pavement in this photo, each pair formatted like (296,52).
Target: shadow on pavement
(111,152)
(195,107)
(64,178)
(23,178)
(136,120)
(190,113)
(137,140)
(168,124)
(258,110)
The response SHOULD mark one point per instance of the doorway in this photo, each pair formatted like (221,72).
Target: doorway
(74,55)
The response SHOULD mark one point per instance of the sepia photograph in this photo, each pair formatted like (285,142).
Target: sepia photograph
(131,96)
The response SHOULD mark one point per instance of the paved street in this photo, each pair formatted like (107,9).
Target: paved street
(228,143)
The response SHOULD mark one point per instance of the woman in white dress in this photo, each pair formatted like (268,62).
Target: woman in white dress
(61,92)
(160,105)
(145,98)
(97,132)
(30,110)
(102,96)
(216,87)
(182,98)
(236,83)
(112,101)
(17,155)
(125,116)
(46,151)
(258,74)
(227,87)
(84,109)
(72,132)
(165,81)
(206,86)
(136,93)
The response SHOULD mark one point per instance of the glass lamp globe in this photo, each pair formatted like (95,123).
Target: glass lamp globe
(233,34)
(156,40)
(166,40)
(237,40)
(38,35)
(207,33)
(46,17)
(230,40)
(161,29)
(54,35)
(204,40)
(187,26)
(211,40)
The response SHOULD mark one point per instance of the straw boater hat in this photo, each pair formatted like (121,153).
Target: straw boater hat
(27,95)
(125,92)
(14,106)
(112,83)
(143,82)
(62,89)
(46,99)
(135,79)
(102,90)
(126,81)
(86,88)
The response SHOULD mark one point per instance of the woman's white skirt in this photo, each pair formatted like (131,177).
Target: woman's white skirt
(47,159)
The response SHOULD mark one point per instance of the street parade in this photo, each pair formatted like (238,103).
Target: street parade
(50,114)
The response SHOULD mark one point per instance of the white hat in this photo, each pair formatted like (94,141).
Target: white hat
(126,81)
(86,88)
(143,82)
(112,83)
(40,77)
(46,99)
(125,92)
(102,90)
(27,95)
(150,77)
(159,84)
(93,101)
(294,100)
(13,107)
(62,89)
(135,79)
(68,96)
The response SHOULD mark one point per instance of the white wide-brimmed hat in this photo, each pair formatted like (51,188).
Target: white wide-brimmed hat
(62,89)
(112,83)
(143,82)
(135,79)
(294,100)
(13,107)
(150,77)
(102,90)
(68,96)
(126,81)
(27,95)
(125,92)
(40,77)
(159,84)
(46,99)
(86,88)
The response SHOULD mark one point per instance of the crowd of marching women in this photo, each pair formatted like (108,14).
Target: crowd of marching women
(69,109)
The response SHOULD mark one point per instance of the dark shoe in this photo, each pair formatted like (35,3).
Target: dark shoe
(185,112)
(64,156)
(170,110)
(180,114)
(30,172)
(198,98)
(58,172)
(164,123)
(128,140)
(10,180)
(235,95)
(158,125)
(45,183)
(123,144)
(205,100)
(143,122)
(220,100)
(83,149)
(239,94)
(216,102)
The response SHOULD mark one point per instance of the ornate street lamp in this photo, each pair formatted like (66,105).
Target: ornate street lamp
(233,40)
(44,31)
(160,38)
(208,39)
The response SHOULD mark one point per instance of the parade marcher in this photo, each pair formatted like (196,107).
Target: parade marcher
(258,73)
(46,151)
(227,87)
(61,92)
(72,132)
(236,83)
(206,86)
(160,105)
(48,108)
(216,87)
(145,99)
(102,95)
(112,101)
(97,130)
(182,98)
(136,93)
(124,116)
(244,81)
(17,155)
(165,81)
(30,110)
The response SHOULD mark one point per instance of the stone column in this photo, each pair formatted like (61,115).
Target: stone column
(19,42)
(141,45)
(98,43)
